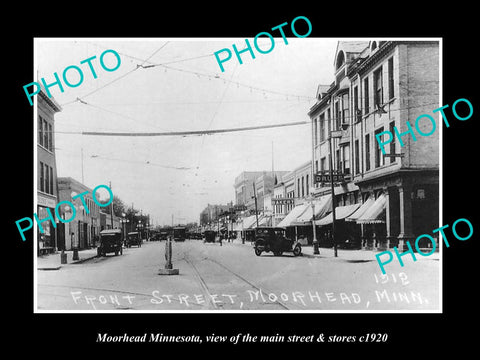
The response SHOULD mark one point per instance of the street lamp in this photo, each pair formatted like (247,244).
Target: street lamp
(124,221)
(316,251)
(63,256)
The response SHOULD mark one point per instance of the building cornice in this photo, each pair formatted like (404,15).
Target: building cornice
(50,101)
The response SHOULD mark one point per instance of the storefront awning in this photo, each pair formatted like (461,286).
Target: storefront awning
(361,210)
(249,221)
(322,206)
(293,215)
(262,221)
(341,212)
(237,226)
(375,213)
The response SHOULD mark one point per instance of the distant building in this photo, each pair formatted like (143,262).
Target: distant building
(47,191)
(84,229)
(262,181)
(212,213)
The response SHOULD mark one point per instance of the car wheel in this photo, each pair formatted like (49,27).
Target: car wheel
(297,250)
(258,252)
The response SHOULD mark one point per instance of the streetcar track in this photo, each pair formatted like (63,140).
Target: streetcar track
(203,284)
(206,289)
(248,282)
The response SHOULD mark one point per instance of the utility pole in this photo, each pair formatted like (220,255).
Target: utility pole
(111,206)
(333,197)
(255,196)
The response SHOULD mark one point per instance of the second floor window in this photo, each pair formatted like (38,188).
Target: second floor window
(392,144)
(357,157)
(346,159)
(378,152)
(367,152)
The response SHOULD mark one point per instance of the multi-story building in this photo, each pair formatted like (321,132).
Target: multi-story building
(379,86)
(303,181)
(262,181)
(84,229)
(47,191)
(212,213)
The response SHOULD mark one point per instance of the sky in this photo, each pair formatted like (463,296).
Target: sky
(179,176)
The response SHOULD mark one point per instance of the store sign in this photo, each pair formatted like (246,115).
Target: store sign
(283,201)
(46,201)
(326,177)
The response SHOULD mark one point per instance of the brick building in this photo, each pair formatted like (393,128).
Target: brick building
(380,85)
(47,192)
(84,229)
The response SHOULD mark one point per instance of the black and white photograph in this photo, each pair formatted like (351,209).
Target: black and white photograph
(276,174)
(240,182)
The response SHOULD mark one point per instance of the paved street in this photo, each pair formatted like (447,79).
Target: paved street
(231,277)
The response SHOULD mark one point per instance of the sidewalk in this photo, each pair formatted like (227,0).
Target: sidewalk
(53,261)
(344,254)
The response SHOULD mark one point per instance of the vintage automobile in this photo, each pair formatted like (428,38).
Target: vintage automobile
(110,241)
(249,235)
(209,236)
(273,239)
(179,233)
(133,238)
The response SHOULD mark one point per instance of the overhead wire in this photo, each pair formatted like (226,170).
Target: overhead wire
(114,80)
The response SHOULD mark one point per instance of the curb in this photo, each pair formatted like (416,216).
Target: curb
(58,267)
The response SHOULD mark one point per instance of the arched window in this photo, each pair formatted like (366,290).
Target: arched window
(340,60)
(373,46)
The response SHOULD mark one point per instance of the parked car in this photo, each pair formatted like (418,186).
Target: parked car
(133,238)
(273,239)
(110,241)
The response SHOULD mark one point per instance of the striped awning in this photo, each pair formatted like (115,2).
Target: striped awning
(293,215)
(375,214)
(341,212)
(249,221)
(322,206)
(361,210)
